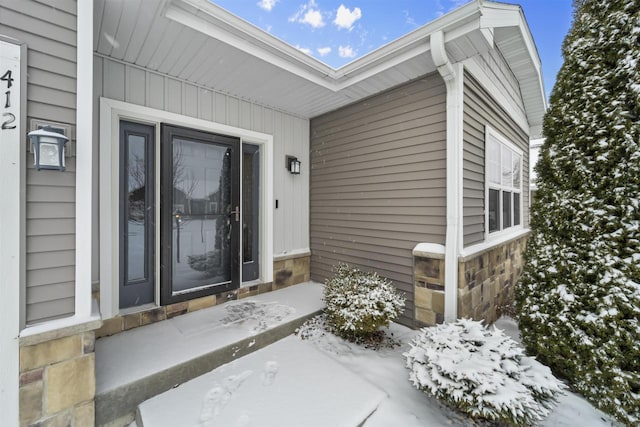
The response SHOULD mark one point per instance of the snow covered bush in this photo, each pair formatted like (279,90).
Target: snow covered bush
(359,303)
(481,372)
(579,295)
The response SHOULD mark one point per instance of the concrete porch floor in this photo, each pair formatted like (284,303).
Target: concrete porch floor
(138,364)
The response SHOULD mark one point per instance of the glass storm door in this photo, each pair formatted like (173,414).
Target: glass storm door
(136,214)
(250,212)
(200,214)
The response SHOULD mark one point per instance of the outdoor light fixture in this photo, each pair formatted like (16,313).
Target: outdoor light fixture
(48,147)
(293,165)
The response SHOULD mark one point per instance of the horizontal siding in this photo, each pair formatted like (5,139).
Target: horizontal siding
(480,109)
(135,85)
(378,182)
(49,30)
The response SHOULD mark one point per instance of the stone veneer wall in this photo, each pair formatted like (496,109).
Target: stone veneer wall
(287,271)
(428,280)
(486,280)
(57,378)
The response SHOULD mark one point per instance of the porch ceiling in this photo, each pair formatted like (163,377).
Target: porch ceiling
(199,42)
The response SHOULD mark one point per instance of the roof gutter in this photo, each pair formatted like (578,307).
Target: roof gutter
(453,75)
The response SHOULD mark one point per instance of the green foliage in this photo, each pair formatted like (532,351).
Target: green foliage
(579,296)
(360,303)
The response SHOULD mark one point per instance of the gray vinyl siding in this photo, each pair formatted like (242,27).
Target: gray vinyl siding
(129,83)
(49,30)
(480,109)
(378,182)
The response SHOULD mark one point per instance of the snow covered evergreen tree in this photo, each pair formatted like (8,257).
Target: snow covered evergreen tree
(579,296)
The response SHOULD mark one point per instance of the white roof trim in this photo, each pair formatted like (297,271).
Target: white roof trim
(485,16)
(216,22)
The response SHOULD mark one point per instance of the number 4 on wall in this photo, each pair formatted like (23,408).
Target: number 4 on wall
(6,77)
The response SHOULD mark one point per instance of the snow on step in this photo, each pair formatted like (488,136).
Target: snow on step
(281,385)
(141,352)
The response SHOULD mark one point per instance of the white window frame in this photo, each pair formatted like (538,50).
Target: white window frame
(111,111)
(503,142)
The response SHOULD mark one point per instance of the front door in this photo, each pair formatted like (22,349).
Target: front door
(200,214)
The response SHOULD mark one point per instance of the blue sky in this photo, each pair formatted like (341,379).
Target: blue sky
(338,31)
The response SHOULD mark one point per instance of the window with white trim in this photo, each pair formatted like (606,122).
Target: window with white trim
(503,183)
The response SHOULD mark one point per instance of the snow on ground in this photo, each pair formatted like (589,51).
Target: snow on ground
(407,406)
(275,374)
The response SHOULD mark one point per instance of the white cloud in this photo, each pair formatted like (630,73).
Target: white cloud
(345,18)
(304,49)
(324,51)
(267,4)
(309,14)
(346,52)
(408,19)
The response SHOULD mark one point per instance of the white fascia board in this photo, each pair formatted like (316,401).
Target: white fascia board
(263,45)
(294,65)
(500,15)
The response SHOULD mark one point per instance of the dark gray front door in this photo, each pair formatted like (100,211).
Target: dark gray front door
(136,214)
(200,213)
(250,212)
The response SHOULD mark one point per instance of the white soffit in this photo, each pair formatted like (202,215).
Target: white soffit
(199,42)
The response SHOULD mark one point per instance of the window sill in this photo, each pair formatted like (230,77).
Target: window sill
(493,241)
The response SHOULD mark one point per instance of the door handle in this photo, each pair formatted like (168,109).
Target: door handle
(236,212)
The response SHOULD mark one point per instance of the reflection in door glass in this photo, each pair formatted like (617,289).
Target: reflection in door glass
(201,254)
(136,207)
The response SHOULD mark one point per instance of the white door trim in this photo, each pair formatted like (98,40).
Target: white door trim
(111,111)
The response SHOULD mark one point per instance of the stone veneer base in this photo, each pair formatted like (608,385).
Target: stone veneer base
(486,281)
(287,271)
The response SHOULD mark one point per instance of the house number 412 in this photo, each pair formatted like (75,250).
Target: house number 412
(8,118)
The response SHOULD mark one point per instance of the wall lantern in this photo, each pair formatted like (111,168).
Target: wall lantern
(293,165)
(48,147)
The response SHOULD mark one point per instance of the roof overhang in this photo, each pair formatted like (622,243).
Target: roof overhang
(222,52)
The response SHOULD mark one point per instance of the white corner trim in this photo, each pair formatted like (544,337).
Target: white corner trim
(429,250)
(12,160)
(453,75)
(111,111)
(84,159)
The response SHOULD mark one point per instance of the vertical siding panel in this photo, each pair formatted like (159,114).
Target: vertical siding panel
(173,96)
(190,97)
(233,111)
(220,108)
(245,115)
(136,86)
(278,183)
(377,176)
(206,101)
(257,118)
(155,91)
(114,86)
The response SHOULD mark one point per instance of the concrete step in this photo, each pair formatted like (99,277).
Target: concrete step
(287,384)
(138,364)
